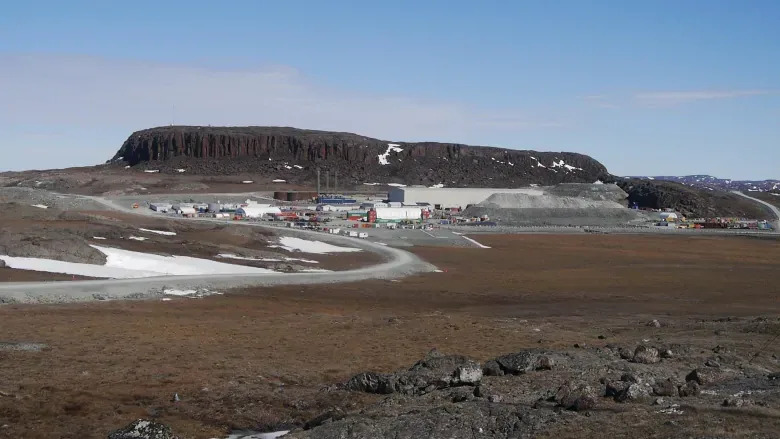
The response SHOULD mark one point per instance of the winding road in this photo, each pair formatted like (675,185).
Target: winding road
(398,263)
(773,208)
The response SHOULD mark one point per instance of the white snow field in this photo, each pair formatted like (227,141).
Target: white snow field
(126,264)
(290,243)
(246,258)
(159,232)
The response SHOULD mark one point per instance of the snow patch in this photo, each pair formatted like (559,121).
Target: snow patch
(151,171)
(40,206)
(396,184)
(126,264)
(137,238)
(391,147)
(247,181)
(188,293)
(159,232)
(437,186)
(562,164)
(181,170)
(297,166)
(245,258)
(278,180)
(100,238)
(290,244)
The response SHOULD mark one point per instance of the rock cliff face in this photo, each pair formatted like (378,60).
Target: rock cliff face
(292,154)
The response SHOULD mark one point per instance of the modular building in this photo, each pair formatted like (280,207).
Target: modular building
(444,198)
(257,211)
(161,207)
(399,213)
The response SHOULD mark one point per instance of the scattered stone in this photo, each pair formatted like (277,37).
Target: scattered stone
(577,397)
(711,362)
(175,398)
(658,401)
(736,402)
(690,388)
(667,353)
(460,394)
(143,429)
(492,368)
(629,378)
(654,323)
(646,355)
(615,388)
(494,398)
(626,354)
(601,337)
(774,376)
(666,388)
(435,371)
(369,382)
(524,361)
(702,376)
(634,392)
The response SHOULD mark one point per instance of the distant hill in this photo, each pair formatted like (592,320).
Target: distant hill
(714,183)
(292,154)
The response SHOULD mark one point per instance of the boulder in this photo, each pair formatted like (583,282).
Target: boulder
(575,396)
(703,376)
(525,361)
(646,355)
(143,429)
(666,388)
(634,392)
(626,354)
(369,382)
(435,371)
(690,388)
(492,368)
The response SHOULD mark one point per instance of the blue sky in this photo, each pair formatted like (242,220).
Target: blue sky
(655,88)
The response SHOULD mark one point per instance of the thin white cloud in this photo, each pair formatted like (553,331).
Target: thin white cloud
(672,98)
(86,93)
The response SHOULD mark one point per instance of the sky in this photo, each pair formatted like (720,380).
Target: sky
(647,88)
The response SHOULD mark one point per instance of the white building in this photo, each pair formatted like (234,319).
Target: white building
(255,211)
(449,197)
(160,207)
(398,213)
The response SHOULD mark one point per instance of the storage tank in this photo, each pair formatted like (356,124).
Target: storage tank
(214,207)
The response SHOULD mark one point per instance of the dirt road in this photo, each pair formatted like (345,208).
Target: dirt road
(773,208)
(398,263)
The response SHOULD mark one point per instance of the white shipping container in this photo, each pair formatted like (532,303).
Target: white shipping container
(362,235)
(353,234)
(398,213)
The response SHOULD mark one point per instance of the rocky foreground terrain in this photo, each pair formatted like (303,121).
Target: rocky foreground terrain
(533,392)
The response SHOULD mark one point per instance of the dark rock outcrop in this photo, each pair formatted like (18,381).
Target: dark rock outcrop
(275,152)
(435,371)
(520,362)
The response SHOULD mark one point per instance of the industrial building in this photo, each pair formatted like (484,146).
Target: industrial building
(257,211)
(161,207)
(444,198)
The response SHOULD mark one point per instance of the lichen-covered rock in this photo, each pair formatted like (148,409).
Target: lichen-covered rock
(575,396)
(634,392)
(666,388)
(646,355)
(690,388)
(703,376)
(525,361)
(492,368)
(143,429)
(435,371)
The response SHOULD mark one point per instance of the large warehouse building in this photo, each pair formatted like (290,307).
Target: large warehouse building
(450,197)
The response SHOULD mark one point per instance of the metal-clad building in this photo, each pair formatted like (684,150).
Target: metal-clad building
(449,197)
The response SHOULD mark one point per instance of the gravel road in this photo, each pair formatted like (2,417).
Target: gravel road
(398,263)
(774,209)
